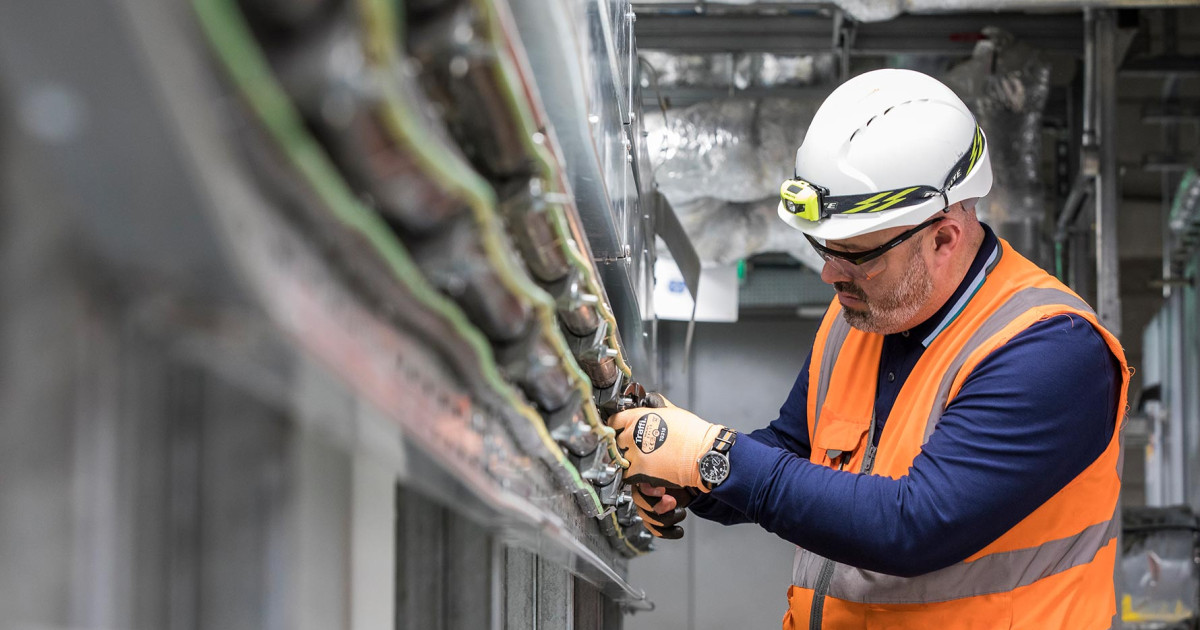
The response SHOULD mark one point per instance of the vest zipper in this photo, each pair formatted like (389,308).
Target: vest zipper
(822,588)
(869,460)
(869,457)
(826,577)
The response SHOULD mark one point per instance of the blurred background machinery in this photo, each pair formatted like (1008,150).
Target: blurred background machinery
(312,311)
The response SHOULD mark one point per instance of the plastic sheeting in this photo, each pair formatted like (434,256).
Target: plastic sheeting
(1005,84)
(670,70)
(724,232)
(720,165)
(731,149)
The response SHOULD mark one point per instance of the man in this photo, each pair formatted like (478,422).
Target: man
(949,456)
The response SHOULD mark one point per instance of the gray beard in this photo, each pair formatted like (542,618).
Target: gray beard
(886,314)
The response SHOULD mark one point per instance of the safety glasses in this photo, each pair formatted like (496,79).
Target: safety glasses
(867,264)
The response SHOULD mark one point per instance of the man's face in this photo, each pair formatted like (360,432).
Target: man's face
(888,301)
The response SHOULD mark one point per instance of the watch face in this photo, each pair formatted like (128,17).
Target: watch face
(714,467)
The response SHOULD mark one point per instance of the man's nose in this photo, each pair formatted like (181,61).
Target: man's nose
(831,273)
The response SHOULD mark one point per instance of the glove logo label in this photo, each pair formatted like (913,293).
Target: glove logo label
(650,433)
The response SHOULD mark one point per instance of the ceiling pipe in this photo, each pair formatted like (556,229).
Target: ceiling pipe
(1089,81)
(1080,191)
(1081,188)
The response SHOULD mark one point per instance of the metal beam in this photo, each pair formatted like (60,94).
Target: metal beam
(1171,113)
(813,32)
(1165,163)
(1108,298)
(957,34)
(694,33)
(1162,66)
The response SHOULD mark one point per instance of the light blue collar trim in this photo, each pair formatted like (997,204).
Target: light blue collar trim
(961,304)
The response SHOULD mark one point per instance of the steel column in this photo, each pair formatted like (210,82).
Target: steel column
(1108,298)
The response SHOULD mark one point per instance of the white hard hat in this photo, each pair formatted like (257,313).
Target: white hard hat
(888,148)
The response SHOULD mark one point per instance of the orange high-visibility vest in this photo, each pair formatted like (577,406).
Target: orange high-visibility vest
(1053,569)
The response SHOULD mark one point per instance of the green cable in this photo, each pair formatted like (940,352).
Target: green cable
(551,173)
(548,166)
(382,44)
(382,47)
(234,46)
(380,25)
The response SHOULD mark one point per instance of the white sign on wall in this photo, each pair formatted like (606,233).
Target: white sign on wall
(718,292)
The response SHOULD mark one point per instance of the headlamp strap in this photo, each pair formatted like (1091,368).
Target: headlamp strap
(966,162)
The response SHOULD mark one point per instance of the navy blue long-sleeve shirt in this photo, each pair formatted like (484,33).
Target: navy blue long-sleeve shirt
(1029,418)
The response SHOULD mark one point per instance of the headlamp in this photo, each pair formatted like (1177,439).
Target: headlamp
(802,199)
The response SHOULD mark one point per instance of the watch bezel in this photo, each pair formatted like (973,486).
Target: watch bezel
(704,477)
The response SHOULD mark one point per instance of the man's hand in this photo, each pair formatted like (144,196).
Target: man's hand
(662,509)
(663,445)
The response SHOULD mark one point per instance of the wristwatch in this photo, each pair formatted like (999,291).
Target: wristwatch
(714,465)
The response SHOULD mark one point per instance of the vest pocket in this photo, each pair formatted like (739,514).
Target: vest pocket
(839,438)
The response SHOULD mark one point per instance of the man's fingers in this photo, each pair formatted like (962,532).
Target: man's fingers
(657,400)
(651,491)
(665,520)
(644,503)
(644,478)
(669,533)
(622,420)
(661,525)
(658,505)
(683,496)
(659,510)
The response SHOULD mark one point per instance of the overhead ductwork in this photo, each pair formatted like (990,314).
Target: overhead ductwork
(740,71)
(720,163)
(1006,84)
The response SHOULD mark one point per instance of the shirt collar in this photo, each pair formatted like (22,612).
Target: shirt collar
(985,260)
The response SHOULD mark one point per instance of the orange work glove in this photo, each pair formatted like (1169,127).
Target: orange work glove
(663,524)
(663,445)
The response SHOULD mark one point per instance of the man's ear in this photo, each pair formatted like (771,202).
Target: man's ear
(947,237)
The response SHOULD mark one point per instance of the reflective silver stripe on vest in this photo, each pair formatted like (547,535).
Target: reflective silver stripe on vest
(1017,305)
(994,573)
(833,346)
